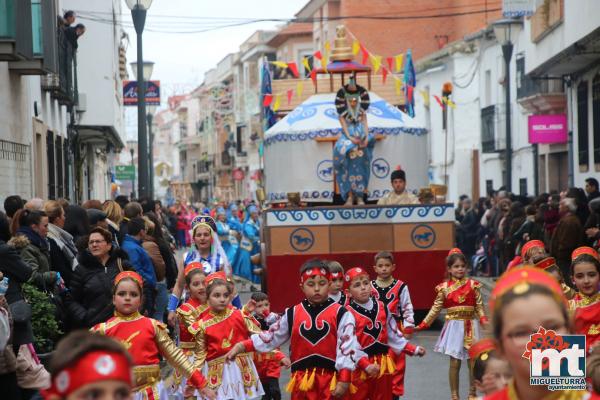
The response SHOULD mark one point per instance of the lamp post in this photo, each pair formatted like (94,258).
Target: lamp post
(138,14)
(507,30)
(133,180)
(149,118)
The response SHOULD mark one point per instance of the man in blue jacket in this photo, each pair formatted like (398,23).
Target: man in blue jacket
(140,260)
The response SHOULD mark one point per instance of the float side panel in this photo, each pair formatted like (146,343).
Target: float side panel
(352,238)
(424,237)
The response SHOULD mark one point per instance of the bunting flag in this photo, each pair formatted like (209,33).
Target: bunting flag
(409,94)
(277,103)
(327,47)
(306,64)
(390,62)
(290,93)
(267,100)
(410,80)
(324,62)
(425,96)
(265,90)
(313,76)
(439,101)
(398,84)
(384,74)
(398,59)
(299,88)
(365,54)
(318,54)
(376,62)
(294,68)
(279,64)
(449,102)
(355,47)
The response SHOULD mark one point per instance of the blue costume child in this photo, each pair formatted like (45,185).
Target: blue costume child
(249,245)
(353,150)
(228,241)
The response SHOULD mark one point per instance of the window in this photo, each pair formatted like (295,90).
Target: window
(59,168)
(583,145)
(489,186)
(239,139)
(488,143)
(523,186)
(51,165)
(596,117)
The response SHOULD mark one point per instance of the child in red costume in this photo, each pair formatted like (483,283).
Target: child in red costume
(146,340)
(585,306)
(336,289)
(323,346)
(377,333)
(395,296)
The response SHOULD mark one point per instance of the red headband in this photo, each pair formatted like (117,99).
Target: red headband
(481,348)
(584,250)
(531,245)
(94,366)
(455,250)
(546,263)
(519,280)
(131,275)
(336,275)
(354,273)
(215,275)
(192,266)
(316,271)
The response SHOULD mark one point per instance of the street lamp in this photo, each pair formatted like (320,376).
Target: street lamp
(133,181)
(138,14)
(507,30)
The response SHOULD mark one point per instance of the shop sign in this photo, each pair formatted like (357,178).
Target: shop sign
(548,128)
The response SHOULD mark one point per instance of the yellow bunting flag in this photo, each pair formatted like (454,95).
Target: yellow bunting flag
(398,83)
(277,103)
(279,64)
(450,103)
(325,61)
(376,61)
(355,47)
(398,59)
(299,88)
(425,95)
(327,47)
(306,64)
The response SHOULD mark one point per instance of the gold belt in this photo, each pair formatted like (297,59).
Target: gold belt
(145,375)
(460,313)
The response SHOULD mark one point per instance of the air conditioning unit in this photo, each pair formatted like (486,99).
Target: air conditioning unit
(82,102)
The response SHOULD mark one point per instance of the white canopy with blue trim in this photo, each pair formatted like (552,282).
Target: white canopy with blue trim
(295,161)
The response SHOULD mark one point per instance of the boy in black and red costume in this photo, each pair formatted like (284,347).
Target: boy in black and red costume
(323,349)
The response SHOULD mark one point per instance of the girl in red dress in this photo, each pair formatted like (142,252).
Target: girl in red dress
(146,340)
(524,300)
(585,306)
(217,331)
(490,372)
(461,296)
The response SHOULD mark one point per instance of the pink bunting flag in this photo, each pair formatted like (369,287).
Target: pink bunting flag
(384,74)
(439,101)
(313,76)
(365,54)
(318,54)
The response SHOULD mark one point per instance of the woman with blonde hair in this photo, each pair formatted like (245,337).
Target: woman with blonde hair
(114,216)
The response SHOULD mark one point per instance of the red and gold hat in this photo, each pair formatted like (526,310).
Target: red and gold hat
(315,271)
(455,250)
(584,250)
(519,280)
(531,245)
(130,275)
(354,273)
(100,365)
(215,275)
(481,348)
(192,266)
(545,263)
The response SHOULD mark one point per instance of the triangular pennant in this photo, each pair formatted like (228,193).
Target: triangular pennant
(376,62)
(267,100)
(450,103)
(365,54)
(410,91)
(327,47)
(384,74)
(355,47)
(439,101)
(299,88)
(398,84)
(294,68)
(398,59)
(277,103)
(306,64)
(280,64)
(425,96)
(324,62)
(290,93)
(390,63)
(313,76)
(318,54)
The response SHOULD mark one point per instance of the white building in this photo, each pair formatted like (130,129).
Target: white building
(99,125)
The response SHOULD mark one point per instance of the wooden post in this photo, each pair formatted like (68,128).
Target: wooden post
(475,192)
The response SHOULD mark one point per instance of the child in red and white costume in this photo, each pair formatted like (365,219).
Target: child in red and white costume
(146,340)
(377,333)
(395,296)
(336,289)
(324,350)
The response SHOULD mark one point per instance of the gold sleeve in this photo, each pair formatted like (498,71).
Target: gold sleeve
(438,305)
(199,349)
(568,291)
(188,318)
(173,354)
(479,311)
(251,324)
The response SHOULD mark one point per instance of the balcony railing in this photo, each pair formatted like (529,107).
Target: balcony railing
(63,84)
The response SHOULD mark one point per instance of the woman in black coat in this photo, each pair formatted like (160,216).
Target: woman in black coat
(90,299)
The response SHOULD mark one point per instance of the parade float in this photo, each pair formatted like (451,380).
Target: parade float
(300,168)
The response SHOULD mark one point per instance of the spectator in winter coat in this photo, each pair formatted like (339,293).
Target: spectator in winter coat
(90,300)
(114,215)
(77,224)
(63,253)
(132,210)
(568,235)
(12,204)
(151,246)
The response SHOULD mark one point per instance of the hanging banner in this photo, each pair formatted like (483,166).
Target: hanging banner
(548,128)
(518,8)
(152,93)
